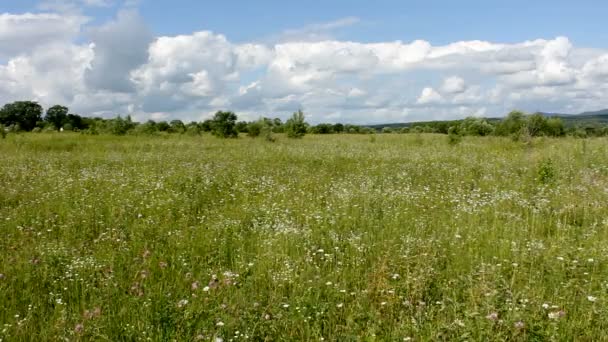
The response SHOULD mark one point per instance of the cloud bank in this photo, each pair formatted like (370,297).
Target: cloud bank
(119,67)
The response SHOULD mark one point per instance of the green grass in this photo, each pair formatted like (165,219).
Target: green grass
(340,237)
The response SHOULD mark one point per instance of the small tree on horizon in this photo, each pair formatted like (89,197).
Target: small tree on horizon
(223,125)
(295,127)
(56,116)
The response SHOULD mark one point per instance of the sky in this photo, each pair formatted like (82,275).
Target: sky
(359,62)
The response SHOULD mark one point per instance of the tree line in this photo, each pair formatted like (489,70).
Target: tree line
(30,116)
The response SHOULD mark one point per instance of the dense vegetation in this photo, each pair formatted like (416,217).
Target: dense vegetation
(337,237)
(28,116)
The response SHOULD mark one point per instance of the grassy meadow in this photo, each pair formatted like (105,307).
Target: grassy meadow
(386,237)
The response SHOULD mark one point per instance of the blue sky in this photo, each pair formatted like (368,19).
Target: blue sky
(438,21)
(338,60)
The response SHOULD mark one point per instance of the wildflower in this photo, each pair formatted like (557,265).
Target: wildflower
(395,276)
(339,305)
(591,299)
(182,303)
(79,328)
(1,276)
(146,254)
(194,286)
(219,324)
(162,264)
(285,306)
(329,283)
(556,314)
(206,289)
(493,316)
(545,306)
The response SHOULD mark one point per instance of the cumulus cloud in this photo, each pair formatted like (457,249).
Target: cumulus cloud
(119,68)
(22,33)
(453,85)
(429,96)
(120,46)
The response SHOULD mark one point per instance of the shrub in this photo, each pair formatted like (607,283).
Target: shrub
(255,128)
(224,125)
(546,172)
(454,136)
(295,127)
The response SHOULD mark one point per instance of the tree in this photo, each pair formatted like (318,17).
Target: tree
(56,116)
(224,125)
(338,128)
(254,129)
(537,124)
(512,124)
(242,126)
(176,126)
(24,114)
(295,127)
(555,127)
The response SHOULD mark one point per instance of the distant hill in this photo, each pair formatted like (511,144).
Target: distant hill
(593,118)
(583,119)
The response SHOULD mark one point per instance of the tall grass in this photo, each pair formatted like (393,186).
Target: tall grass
(405,237)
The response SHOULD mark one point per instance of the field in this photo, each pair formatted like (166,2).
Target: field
(340,238)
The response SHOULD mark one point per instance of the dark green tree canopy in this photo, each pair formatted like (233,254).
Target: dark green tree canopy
(23,113)
(224,125)
(56,116)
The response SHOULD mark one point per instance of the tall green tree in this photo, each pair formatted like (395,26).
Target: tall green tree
(56,116)
(224,125)
(295,127)
(23,113)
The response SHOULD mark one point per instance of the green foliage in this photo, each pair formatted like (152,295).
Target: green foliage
(254,129)
(546,171)
(454,135)
(387,130)
(475,127)
(296,126)
(3,131)
(176,126)
(323,128)
(56,116)
(511,125)
(267,132)
(555,127)
(120,126)
(224,125)
(22,114)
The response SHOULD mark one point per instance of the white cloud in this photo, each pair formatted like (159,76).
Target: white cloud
(453,85)
(118,67)
(429,96)
(22,33)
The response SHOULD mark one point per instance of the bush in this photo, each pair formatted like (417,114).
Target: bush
(2,131)
(224,125)
(454,136)
(254,129)
(37,130)
(546,172)
(295,127)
